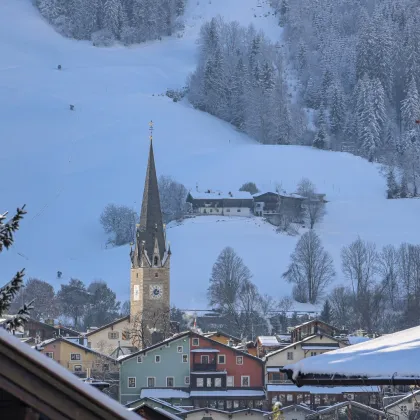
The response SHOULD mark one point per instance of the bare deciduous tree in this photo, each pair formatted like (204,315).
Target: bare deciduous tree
(150,327)
(232,293)
(341,301)
(120,222)
(360,264)
(313,205)
(388,269)
(310,265)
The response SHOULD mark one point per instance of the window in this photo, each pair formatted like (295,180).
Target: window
(289,397)
(230,381)
(157,358)
(200,382)
(89,345)
(244,380)
(187,380)
(217,382)
(205,360)
(150,382)
(113,335)
(221,358)
(125,335)
(228,405)
(227,210)
(289,355)
(180,349)
(155,261)
(195,342)
(239,360)
(208,383)
(156,274)
(131,382)
(403,408)
(74,356)
(77,368)
(49,354)
(170,381)
(239,210)
(139,359)
(211,210)
(313,353)
(185,358)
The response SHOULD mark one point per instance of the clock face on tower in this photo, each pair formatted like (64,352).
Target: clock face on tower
(155,291)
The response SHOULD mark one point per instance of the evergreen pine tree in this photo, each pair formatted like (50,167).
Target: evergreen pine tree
(326,314)
(404,186)
(321,136)
(337,112)
(392,186)
(9,291)
(410,106)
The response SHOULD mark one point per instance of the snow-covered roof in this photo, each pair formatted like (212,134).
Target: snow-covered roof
(69,381)
(163,393)
(217,195)
(229,393)
(268,340)
(323,389)
(391,356)
(217,372)
(281,194)
(354,339)
(166,413)
(297,407)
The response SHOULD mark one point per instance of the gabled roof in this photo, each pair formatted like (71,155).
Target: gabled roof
(51,389)
(155,346)
(297,406)
(72,343)
(219,333)
(314,320)
(268,340)
(310,337)
(405,398)
(215,410)
(138,402)
(343,404)
(235,195)
(117,321)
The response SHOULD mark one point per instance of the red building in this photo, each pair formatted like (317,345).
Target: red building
(223,377)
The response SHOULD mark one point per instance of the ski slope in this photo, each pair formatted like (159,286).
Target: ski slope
(66,166)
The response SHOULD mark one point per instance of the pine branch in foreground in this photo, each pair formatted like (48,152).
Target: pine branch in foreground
(10,290)
(8,229)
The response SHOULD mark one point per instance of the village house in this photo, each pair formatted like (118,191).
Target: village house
(80,360)
(280,388)
(312,327)
(190,369)
(223,338)
(266,344)
(161,370)
(295,412)
(270,203)
(107,338)
(406,407)
(238,203)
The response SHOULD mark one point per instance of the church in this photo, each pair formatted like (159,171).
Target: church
(150,254)
(150,266)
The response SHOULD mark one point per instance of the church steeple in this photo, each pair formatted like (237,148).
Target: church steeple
(150,235)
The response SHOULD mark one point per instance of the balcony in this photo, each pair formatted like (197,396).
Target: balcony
(205,367)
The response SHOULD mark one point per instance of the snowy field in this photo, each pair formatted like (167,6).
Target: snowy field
(66,166)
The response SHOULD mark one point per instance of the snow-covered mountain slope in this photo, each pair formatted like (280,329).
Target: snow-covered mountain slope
(66,166)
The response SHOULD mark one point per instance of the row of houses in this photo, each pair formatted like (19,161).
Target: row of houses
(242,203)
(214,370)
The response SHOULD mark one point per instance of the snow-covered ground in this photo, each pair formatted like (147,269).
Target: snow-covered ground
(66,166)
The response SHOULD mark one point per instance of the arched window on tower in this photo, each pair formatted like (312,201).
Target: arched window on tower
(155,261)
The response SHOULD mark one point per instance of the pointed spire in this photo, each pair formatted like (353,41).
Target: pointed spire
(150,228)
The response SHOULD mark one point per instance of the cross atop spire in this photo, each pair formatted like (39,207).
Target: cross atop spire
(150,229)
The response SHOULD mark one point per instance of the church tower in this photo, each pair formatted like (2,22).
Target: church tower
(150,264)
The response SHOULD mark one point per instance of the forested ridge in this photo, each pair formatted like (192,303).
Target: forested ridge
(130,21)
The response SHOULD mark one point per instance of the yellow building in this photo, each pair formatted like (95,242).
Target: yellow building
(77,358)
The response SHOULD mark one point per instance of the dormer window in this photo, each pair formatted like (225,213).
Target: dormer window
(155,261)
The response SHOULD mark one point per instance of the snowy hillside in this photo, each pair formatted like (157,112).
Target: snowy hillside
(66,166)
